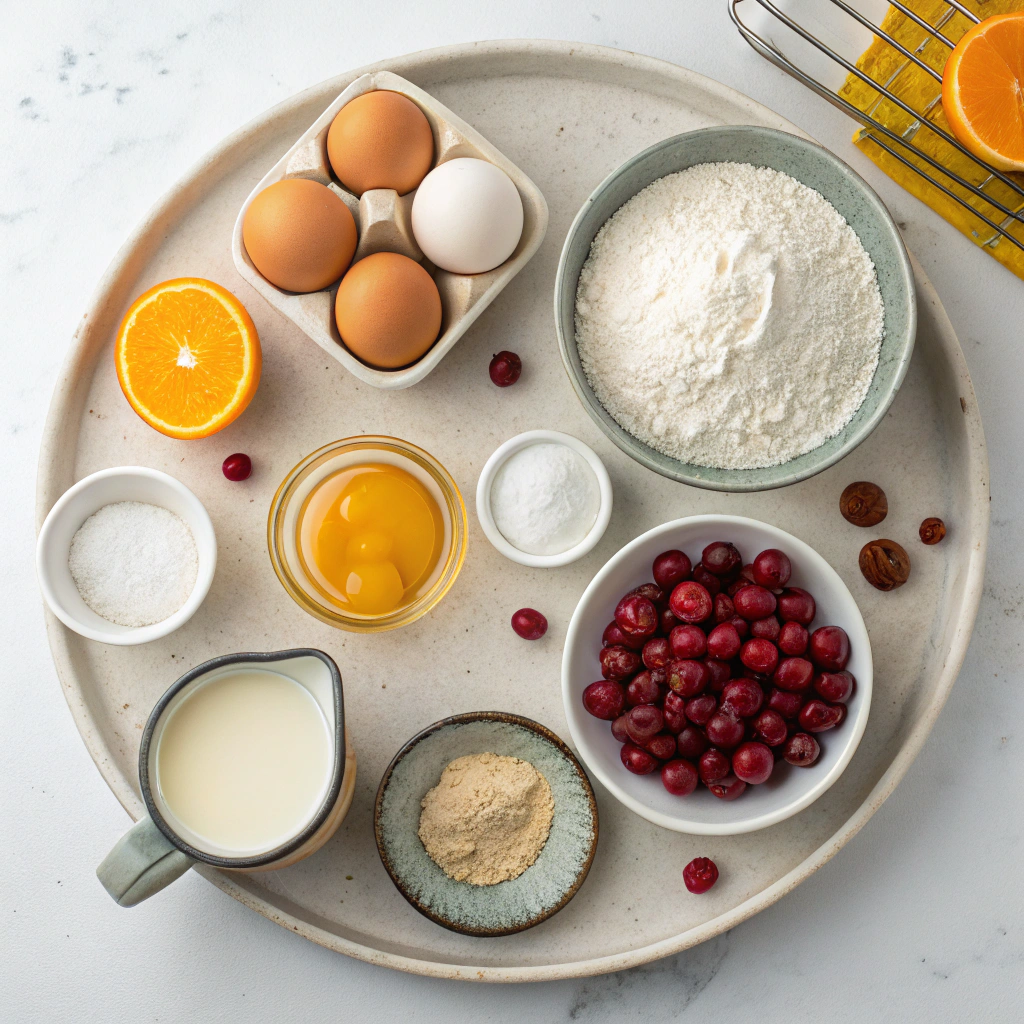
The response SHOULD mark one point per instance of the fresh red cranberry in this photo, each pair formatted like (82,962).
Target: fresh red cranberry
(721,558)
(817,716)
(679,777)
(796,605)
(237,467)
(690,602)
(724,730)
(835,687)
(727,788)
(619,729)
(719,673)
(794,675)
(604,699)
(675,721)
(643,722)
(712,766)
(653,593)
(770,728)
(724,642)
(700,709)
(637,760)
(830,648)
(662,746)
(724,609)
(772,569)
(670,568)
(699,875)
(842,709)
(766,629)
(754,602)
(691,742)
(618,662)
(687,677)
(741,626)
(688,641)
(760,655)
(801,750)
(743,697)
(636,616)
(504,369)
(785,703)
(793,639)
(529,624)
(614,636)
(708,580)
(657,653)
(753,763)
(642,689)
(666,621)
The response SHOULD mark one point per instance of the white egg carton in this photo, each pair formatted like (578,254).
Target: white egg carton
(383,219)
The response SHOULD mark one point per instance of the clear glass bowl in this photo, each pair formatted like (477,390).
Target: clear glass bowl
(283,522)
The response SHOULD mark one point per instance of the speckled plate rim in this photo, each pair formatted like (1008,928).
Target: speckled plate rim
(56,473)
(465,719)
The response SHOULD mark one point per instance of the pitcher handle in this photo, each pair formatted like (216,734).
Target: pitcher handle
(141,863)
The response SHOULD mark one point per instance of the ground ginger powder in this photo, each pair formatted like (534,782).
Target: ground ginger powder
(487,819)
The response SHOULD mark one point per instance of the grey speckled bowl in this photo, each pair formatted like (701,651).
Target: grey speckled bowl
(845,190)
(542,889)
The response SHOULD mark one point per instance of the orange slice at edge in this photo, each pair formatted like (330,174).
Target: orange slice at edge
(188,357)
(983,91)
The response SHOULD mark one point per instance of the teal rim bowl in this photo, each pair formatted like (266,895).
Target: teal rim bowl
(855,200)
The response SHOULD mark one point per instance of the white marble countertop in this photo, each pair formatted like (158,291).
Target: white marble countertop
(103,106)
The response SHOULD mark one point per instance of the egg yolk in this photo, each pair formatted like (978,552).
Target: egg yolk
(370,537)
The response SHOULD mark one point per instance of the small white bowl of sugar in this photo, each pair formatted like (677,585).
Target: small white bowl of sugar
(126,556)
(544,499)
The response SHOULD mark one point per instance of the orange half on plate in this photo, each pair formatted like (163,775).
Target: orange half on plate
(188,357)
(983,91)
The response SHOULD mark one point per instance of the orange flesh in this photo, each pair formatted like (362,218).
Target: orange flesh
(370,537)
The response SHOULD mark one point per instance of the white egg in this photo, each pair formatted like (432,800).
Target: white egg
(467,216)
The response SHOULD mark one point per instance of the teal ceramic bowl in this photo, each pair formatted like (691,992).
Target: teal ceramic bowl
(846,191)
(542,889)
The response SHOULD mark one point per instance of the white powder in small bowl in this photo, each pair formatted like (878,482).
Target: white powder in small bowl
(134,563)
(545,499)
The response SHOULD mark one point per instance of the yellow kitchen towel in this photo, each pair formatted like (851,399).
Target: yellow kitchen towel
(881,63)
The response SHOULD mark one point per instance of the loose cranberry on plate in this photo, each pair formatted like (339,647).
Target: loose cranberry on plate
(725,730)
(793,639)
(504,369)
(699,875)
(728,788)
(618,662)
(817,716)
(636,616)
(529,623)
(760,655)
(794,675)
(772,569)
(721,558)
(688,641)
(657,653)
(237,467)
(637,760)
(802,750)
(604,699)
(753,763)
(770,728)
(743,697)
(691,743)
(712,766)
(796,605)
(723,642)
(679,777)
(686,676)
(642,689)
(662,746)
(754,602)
(670,568)
(830,648)
(835,687)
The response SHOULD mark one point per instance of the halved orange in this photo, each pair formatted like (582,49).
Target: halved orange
(983,91)
(188,357)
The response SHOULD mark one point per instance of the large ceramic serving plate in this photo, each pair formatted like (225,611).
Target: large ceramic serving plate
(567,115)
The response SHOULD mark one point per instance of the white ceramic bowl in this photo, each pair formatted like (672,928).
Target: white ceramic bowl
(483,498)
(75,505)
(790,789)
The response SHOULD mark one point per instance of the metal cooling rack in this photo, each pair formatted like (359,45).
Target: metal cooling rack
(897,144)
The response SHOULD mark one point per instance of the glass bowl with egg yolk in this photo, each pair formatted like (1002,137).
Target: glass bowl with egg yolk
(367,533)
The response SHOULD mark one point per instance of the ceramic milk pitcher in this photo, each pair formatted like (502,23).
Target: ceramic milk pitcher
(256,804)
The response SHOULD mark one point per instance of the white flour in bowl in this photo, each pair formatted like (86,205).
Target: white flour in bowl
(729,317)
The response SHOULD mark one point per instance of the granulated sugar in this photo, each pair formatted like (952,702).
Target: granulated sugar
(729,317)
(134,563)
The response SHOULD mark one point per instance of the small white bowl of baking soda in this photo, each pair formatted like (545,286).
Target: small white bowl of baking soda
(544,499)
(126,556)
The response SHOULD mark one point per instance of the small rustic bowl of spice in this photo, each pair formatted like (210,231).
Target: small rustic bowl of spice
(486,823)
(126,556)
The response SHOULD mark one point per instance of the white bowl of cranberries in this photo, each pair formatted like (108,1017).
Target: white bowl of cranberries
(717,675)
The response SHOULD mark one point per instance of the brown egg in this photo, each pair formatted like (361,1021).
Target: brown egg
(300,235)
(388,310)
(380,140)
